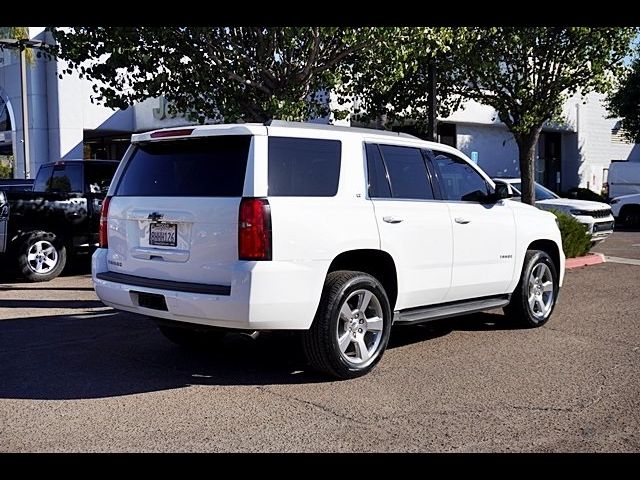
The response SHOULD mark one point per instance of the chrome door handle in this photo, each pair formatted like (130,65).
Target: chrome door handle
(461,220)
(392,219)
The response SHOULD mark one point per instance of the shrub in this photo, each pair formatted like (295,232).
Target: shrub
(5,170)
(576,241)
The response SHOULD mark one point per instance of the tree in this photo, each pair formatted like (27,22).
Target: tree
(236,73)
(17,33)
(526,74)
(625,103)
(391,85)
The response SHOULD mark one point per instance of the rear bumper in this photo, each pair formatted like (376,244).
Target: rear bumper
(262,296)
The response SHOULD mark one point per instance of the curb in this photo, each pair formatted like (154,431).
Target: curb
(588,259)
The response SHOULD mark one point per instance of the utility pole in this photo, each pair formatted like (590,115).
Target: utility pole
(431,99)
(24,100)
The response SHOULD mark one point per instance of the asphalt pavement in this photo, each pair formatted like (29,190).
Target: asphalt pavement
(78,376)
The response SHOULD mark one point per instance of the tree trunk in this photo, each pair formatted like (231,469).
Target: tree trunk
(527,155)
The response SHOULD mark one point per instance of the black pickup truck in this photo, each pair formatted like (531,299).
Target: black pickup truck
(61,216)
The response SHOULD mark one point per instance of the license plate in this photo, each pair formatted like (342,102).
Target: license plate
(163,234)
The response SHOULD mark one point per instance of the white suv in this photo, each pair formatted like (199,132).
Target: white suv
(334,231)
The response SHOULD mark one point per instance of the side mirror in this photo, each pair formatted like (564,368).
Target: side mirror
(502,191)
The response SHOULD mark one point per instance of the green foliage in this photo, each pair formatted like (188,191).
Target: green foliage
(390,82)
(5,170)
(576,241)
(527,73)
(237,73)
(19,33)
(255,73)
(625,103)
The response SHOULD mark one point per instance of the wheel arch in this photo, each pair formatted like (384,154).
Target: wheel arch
(376,263)
(551,248)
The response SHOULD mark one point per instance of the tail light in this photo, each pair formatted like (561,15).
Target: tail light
(254,229)
(104,214)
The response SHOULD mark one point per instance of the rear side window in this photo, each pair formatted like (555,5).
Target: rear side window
(377,174)
(407,172)
(42,179)
(303,167)
(201,167)
(66,178)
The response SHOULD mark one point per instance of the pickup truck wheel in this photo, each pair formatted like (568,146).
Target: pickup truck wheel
(191,337)
(351,328)
(41,257)
(534,298)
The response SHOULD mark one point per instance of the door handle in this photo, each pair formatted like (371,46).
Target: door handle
(461,220)
(391,219)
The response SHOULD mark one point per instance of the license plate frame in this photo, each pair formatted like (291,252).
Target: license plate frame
(166,234)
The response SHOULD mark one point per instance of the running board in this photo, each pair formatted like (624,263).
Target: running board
(444,310)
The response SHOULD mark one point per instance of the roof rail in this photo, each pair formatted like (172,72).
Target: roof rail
(339,128)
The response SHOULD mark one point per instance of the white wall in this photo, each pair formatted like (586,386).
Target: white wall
(596,147)
(496,147)
(144,118)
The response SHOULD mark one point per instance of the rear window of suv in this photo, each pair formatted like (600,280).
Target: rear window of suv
(202,167)
(303,167)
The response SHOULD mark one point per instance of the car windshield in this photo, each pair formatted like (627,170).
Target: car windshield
(541,192)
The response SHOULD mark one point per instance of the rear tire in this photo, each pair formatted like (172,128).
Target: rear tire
(351,328)
(40,256)
(535,297)
(192,337)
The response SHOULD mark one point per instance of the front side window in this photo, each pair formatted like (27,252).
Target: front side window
(541,192)
(461,182)
(407,172)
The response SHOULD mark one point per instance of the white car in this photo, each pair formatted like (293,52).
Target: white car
(626,209)
(596,216)
(335,232)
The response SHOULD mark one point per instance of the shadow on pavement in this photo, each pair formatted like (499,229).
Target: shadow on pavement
(76,265)
(106,354)
(50,303)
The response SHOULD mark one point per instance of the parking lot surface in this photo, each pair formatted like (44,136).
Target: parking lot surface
(78,376)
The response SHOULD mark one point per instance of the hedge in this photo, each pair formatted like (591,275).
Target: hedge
(576,241)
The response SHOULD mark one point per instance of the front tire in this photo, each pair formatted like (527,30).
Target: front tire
(351,328)
(535,297)
(41,256)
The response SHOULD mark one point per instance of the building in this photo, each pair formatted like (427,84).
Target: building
(576,153)
(63,124)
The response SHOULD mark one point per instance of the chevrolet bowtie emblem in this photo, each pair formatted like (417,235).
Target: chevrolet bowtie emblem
(155,216)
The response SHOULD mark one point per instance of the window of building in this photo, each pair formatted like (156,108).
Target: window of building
(460,181)
(447,134)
